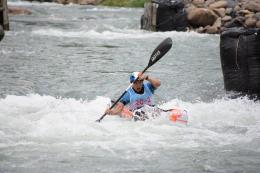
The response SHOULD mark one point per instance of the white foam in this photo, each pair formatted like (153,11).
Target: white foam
(67,120)
(112,9)
(115,34)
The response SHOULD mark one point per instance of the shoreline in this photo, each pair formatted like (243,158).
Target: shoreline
(203,16)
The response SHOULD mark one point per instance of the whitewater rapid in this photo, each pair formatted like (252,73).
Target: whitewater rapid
(36,117)
(43,133)
(60,67)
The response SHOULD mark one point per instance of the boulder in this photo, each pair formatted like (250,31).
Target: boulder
(244,12)
(250,22)
(210,30)
(228,11)
(221,12)
(201,17)
(250,15)
(258,24)
(226,18)
(208,2)
(219,4)
(215,28)
(200,30)
(189,8)
(198,3)
(252,6)
(236,22)
(237,8)
(12,10)
(231,3)
(257,15)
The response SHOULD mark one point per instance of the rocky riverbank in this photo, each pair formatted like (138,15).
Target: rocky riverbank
(203,16)
(215,16)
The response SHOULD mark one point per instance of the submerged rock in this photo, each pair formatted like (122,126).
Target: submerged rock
(12,10)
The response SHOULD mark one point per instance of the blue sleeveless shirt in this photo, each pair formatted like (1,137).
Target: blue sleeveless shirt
(136,100)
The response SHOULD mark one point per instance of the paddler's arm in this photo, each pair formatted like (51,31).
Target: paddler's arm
(116,110)
(155,82)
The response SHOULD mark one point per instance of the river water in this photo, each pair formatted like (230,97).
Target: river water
(59,68)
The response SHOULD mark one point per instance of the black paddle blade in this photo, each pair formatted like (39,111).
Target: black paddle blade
(160,51)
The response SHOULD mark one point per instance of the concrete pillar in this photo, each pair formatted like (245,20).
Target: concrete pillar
(4,21)
(149,18)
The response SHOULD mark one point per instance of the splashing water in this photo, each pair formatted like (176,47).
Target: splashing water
(55,64)
(65,129)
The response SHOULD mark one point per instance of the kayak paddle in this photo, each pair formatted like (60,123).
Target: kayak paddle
(157,54)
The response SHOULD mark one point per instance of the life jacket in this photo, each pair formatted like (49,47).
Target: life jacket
(139,100)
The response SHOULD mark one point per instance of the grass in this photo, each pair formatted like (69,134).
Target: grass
(124,3)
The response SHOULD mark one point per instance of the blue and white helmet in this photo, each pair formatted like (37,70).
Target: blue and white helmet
(133,76)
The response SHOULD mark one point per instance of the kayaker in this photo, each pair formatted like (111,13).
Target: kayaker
(140,94)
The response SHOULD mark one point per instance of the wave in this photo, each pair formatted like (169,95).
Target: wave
(33,118)
(112,9)
(115,34)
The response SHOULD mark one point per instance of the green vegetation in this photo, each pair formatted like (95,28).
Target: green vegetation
(124,3)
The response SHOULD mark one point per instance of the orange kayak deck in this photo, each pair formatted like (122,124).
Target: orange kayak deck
(175,115)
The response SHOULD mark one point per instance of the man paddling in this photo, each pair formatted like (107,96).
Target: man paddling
(157,54)
(139,95)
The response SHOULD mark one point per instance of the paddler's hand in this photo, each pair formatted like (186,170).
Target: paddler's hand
(111,111)
(108,111)
(142,76)
(116,110)
(155,82)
